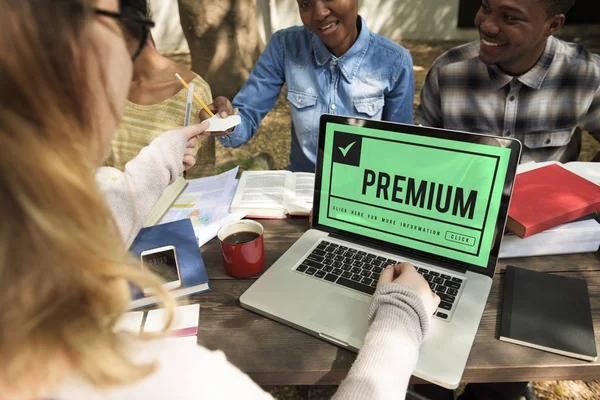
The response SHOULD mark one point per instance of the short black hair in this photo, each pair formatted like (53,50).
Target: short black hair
(135,8)
(556,7)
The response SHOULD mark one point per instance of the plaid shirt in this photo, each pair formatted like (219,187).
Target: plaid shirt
(546,108)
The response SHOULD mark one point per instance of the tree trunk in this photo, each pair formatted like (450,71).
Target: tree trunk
(223,39)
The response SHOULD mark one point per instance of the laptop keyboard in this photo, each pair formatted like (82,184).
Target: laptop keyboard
(360,270)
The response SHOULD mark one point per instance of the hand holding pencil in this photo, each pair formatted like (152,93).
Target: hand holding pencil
(185,85)
(223,108)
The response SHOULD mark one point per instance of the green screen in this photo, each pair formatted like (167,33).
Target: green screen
(435,195)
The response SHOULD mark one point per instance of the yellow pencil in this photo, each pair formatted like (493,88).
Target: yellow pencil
(185,85)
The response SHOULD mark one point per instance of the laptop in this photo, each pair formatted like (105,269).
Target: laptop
(388,193)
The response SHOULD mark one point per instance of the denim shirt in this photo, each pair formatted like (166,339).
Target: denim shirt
(373,79)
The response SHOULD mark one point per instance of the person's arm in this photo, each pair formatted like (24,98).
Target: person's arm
(132,196)
(591,121)
(259,94)
(183,371)
(399,319)
(399,101)
(429,111)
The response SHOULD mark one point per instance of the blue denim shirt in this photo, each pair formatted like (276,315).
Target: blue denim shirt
(373,79)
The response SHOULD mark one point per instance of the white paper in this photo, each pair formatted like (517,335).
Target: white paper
(207,232)
(206,202)
(185,341)
(586,169)
(304,190)
(263,189)
(573,237)
(184,317)
(218,124)
(130,322)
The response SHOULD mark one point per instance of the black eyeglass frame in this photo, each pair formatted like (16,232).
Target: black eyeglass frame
(145,23)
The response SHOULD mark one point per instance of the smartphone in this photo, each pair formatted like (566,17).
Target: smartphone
(162,261)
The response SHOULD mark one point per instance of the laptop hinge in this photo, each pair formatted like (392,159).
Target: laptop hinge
(391,250)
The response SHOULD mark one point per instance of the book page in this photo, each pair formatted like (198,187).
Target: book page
(204,200)
(303,187)
(261,189)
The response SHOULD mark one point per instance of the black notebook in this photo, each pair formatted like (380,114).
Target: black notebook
(548,312)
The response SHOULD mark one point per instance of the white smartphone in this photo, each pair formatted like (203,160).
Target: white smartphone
(162,261)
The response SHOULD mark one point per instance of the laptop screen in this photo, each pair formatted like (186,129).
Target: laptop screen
(434,191)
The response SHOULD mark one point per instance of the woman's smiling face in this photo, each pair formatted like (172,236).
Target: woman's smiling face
(333,21)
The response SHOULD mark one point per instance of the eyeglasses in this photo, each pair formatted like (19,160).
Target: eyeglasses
(136,26)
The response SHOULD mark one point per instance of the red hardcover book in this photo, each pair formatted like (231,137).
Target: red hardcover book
(547,197)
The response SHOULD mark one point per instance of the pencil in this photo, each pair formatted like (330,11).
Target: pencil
(188,106)
(185,85)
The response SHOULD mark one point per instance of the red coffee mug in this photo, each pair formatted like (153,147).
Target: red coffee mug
(243,249)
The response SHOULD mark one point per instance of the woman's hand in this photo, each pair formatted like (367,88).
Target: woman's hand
(220,106)
(406,274)
(191,132)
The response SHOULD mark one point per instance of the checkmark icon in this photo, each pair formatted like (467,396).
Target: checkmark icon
(346,149)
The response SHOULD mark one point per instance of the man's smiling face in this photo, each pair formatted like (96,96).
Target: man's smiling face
(514,32)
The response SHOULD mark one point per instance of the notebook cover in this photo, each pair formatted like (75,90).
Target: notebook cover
(549,196)
(181,235)
(548,312)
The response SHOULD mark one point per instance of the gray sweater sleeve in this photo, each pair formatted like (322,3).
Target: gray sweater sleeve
(398,323)
(133,195)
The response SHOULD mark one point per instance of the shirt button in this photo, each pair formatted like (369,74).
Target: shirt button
(333,106)
(300,99)
(370,107)
(512,98)
(334,62)
(548,141)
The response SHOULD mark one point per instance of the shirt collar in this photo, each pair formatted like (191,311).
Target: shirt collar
(351,60)
(532,78)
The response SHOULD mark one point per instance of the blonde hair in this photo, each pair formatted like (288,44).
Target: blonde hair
(63,267)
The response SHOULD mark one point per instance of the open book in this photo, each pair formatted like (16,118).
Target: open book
(273,194)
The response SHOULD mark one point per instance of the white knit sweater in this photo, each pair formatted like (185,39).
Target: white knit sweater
(398,320)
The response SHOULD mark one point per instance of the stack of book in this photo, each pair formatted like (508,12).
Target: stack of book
(555,209)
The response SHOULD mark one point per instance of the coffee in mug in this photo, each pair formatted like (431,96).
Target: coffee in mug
(241,237)
(242,248)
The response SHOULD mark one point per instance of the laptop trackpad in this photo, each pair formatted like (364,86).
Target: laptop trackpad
(344,316)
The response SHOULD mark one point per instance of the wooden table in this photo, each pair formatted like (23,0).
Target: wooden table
(275,354)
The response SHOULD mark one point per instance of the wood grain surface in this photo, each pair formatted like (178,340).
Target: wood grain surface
(275,354)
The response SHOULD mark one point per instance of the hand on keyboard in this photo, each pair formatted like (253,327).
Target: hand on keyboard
(406,274)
